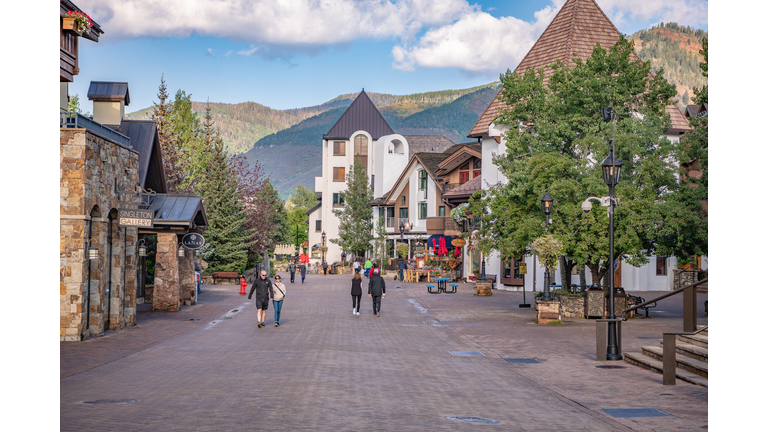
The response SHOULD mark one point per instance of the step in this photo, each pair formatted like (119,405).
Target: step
(683,362)
(702,341)
(693,351)
(704,332)
(645,362)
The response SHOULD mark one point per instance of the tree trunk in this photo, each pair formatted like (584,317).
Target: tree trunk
(565,281)
(583,279)
(595,271)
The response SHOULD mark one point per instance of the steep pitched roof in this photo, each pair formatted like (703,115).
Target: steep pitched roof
(679,121)
(575,30)
(362,114)
(144,138)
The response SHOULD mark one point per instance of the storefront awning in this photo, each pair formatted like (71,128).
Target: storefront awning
(436,237)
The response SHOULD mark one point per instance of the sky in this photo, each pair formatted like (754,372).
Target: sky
(298,53)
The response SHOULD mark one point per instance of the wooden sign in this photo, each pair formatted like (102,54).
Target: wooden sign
(523,269)
(459,242)
(136,218)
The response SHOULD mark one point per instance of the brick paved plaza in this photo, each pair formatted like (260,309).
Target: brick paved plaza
(208,369)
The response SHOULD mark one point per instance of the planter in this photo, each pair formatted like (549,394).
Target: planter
(547,311)
(483,288)
(594,303)
(69,25)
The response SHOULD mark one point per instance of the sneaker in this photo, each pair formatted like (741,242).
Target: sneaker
(277,325)
(357,313)
(353,311)
(258,325)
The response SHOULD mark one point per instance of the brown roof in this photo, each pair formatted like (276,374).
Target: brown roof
(696,110)
(427,143)
(679,122)
(465,190)
(575,30)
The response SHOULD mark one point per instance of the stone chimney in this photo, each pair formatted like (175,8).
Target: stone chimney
(109,102)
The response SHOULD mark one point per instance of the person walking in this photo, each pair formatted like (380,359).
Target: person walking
(368,265)
(278,294)
(325,268)
(357,293)
(292,269)
(198,276)
(376,290)
(243,284)
(356,265)
(303,270)
(402,266)
(263,288)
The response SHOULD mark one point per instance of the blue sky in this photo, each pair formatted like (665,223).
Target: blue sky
(307,52)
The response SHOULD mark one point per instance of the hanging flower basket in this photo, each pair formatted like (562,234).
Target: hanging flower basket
(76,22)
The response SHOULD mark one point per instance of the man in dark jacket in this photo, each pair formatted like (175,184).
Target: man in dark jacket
(376,290)
(292,269)
(402,266)
(263,288)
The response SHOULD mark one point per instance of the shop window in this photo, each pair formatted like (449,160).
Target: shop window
(661,266)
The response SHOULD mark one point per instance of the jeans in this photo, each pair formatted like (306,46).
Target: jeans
(368,272)
(198,286)
(303,275)
(376,304)
(278,306)
(356,302)
(292,275)
(401,274)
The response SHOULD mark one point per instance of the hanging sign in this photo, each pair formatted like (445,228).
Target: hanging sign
(136,218)
(459,242)
(523,269)
(193,241)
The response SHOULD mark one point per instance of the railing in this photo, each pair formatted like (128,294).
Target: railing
(669,354)
(77,120)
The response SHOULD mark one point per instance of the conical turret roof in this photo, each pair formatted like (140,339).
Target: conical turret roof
(575,30)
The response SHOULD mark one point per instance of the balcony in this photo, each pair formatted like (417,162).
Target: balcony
(77,120)
(441,225)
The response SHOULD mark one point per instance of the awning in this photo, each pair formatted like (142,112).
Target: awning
(179,210)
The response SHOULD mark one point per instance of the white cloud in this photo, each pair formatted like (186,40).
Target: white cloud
(288,22)
(685,12)
(249,52)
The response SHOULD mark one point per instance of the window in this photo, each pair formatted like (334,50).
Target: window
(339,148)
(402,199)
(403,212)
(476,171)
(318,226)
(463,177)
(441,211)
(338,199)
(661,266)
(338,174)
(361,150)
(423,180)
(422,210)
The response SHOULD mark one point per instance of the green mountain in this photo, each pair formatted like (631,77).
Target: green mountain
(676,49)
(292,156)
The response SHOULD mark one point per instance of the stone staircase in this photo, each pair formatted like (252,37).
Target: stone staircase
(692,358)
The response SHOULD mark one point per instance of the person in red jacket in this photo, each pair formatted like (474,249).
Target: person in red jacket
(243,284)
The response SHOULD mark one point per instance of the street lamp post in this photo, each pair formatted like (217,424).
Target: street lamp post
(546,206)
(323,247)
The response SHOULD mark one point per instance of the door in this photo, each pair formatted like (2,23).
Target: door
(510,272)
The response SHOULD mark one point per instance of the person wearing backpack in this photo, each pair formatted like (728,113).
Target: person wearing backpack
(278,294)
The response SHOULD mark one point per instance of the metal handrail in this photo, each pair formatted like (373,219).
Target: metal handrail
(77,120)
(669,294)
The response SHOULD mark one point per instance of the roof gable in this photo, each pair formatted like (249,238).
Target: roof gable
(362,114)
(575,30)
(457,158)
(102,91)
(145,140)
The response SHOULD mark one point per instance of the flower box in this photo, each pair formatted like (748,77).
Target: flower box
(69,25)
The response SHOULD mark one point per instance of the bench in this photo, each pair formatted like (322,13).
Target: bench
(225,275)
(455,288)
(492,278)
(636,300)
(432,287)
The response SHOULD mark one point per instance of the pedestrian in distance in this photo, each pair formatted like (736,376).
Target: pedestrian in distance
(263,288)
(402,266)
(243,284)
(376,290)
(198,276)
(357,293)
(325,268)
(303,269)
(356,265)
(278,294)
(292,269)
(368,266)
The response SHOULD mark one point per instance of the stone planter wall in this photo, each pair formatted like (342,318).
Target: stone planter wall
(570,307)
(483,288)
(547,311)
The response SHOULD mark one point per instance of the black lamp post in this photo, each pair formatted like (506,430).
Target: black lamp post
(403,227)
(323,247)
(546,206)
(611,173)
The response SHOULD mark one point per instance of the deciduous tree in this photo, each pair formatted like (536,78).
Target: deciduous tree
(355,218)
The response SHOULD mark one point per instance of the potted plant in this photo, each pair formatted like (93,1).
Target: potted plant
(77,22)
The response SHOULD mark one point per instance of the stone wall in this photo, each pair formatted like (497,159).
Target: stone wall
(166,295)
(570,307)
(90,169)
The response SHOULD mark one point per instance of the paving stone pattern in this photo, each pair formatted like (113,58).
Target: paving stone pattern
(324,369)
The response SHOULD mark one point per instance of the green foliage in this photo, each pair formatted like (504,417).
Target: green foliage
(381,244)
(73,104)
(548,249)
(402,250)
(355,222)
(559,150)
(303,198)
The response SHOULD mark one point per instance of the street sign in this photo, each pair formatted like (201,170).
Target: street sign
(523,268)
(459,242)
(193,241)
(136,218)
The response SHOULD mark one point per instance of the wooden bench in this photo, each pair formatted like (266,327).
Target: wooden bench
(225,275)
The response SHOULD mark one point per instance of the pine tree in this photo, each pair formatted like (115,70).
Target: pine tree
(175,172)
(355,219)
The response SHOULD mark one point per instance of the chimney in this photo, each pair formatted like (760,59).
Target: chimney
(109,102)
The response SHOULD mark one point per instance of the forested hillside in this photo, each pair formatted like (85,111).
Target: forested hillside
(676,49)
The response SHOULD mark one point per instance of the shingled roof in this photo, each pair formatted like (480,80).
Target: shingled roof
(427,144)
(362,114)
(575,30)
(679,121)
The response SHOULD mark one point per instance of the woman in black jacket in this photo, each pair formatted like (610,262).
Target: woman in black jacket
(357,293)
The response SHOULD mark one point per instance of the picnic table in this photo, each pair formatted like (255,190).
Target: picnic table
(442,286)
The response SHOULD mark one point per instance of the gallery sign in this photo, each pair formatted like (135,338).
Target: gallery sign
(459,242)
(136,218)
(193,241)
